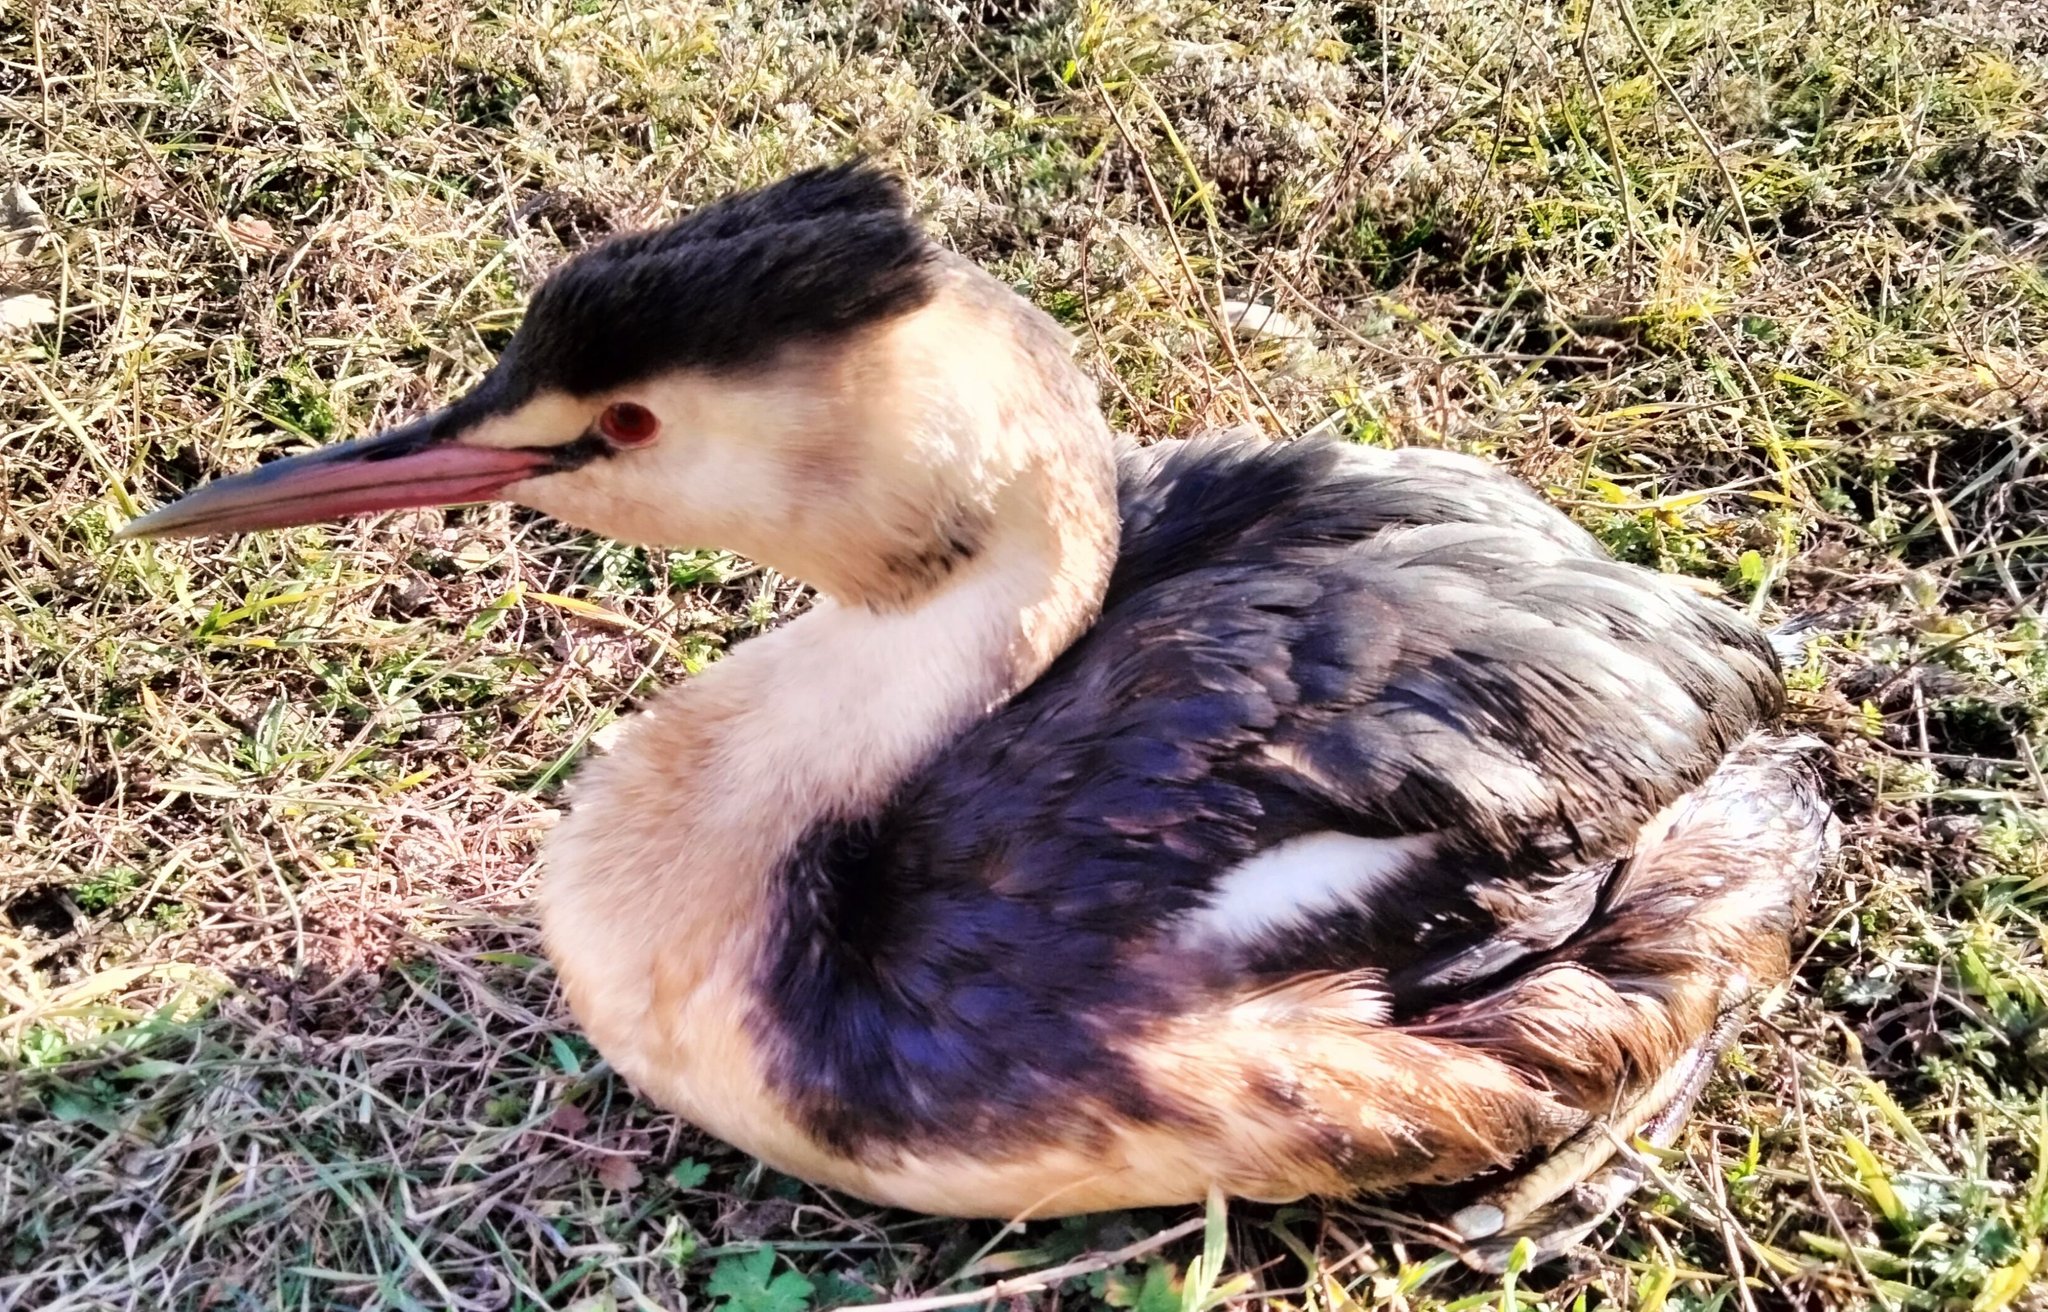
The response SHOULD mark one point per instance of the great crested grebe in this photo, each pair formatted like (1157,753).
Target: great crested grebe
(1121,824)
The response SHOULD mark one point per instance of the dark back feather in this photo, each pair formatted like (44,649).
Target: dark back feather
(1296,639)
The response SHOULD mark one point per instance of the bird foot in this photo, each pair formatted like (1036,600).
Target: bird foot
(1560,1200)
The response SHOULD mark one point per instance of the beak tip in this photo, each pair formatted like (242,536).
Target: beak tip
(140,527)
(406,467)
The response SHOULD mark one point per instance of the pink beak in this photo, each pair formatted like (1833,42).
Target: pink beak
(415,464)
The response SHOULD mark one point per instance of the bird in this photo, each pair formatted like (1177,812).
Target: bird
(1125,824)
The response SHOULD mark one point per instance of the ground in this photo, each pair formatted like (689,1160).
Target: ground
(1754,288)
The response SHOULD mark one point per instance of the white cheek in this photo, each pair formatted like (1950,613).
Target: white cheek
(679,491)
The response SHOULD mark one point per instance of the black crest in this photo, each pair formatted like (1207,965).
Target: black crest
(816,254)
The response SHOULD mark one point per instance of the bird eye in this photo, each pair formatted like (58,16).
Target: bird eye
(624,423)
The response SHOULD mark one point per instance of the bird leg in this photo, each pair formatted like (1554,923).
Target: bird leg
(1556,1202)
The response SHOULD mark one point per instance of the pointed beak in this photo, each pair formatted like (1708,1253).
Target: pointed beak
(415,464)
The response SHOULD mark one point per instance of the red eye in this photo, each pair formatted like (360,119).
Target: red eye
(625,424)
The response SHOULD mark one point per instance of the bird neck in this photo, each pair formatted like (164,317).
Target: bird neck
(966,541)
(664,873)
(977,527)
(956,443)
(848,700)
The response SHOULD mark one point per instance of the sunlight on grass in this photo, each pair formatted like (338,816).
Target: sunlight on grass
(1754,289)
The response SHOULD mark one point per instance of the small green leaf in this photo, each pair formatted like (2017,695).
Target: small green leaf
(69,1108)
(1199,1293)
(78,1108)
(679,1243)
(488,618)
(1158,1291)
(689,1174)
(2004,1286)
(1654,1289)
(1877,1182)
(523,960)
(742,1283)
(154,1068)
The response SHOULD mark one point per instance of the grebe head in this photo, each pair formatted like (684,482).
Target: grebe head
(796,373)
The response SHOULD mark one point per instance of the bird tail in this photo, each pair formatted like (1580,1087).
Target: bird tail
(1627,1020)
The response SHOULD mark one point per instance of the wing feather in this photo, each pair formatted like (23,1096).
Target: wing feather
(1297,640)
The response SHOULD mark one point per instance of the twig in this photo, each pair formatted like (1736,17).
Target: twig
(1628,204)
(1116,378)
(1733,1236)
(1628,18)
(2033,763)
(1214,312)
(1052,1275)
(1813,1180)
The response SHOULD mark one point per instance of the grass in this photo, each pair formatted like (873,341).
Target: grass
(1755,289)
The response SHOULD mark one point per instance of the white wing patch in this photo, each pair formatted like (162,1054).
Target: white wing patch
(1291,883)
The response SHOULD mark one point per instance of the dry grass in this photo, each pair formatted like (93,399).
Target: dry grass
(1756,288)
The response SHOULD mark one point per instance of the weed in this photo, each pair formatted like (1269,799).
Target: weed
(274,1028)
